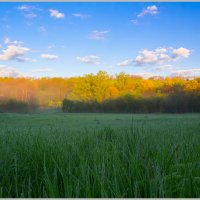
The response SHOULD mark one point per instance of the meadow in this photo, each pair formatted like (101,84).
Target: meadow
(54,154)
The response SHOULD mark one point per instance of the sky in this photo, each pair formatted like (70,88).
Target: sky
(72,39)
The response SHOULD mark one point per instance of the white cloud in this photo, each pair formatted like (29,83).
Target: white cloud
(49,56)
(80,15)
(25,7)
(164,58)
(159,56)
(56,14)
(28,8)
(6,71)
(164,67)
(28,11)
(13,52)
(30,15)
(186,73)
(144,75)
(15,42)
(126,63)
(42,70)
(91,59)
(181,52)
(23,59)
(146,57)
(99,35)
(161,50)
(150,10)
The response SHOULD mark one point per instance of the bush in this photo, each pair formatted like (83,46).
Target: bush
(179,102)
(13,105)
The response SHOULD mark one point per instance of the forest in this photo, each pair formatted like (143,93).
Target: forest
(101,92)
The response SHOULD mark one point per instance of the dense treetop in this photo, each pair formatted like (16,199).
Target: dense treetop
(100,87)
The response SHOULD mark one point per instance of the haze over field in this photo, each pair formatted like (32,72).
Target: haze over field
(72,39)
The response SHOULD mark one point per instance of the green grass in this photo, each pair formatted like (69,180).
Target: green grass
(99,155)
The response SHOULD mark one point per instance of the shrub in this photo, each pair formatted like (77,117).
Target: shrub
(179,102)
(13,105)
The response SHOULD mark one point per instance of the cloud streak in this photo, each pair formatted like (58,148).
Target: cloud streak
(91,59)
(6,71)
(49,56)
(29,11)
(42,70)
(15,42)
(99,35)
(186,73)
(30,15)
(26,8)
(126,62)
(80,15)
(150,10)
(144,75)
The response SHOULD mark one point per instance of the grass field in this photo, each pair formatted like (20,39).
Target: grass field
(99,155)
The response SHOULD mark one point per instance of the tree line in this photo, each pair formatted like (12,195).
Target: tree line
(174,103)
(17,106)
(103,93)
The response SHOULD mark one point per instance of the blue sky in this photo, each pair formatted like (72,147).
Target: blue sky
(72,39)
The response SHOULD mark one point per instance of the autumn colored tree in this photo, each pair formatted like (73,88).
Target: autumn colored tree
(103,92)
